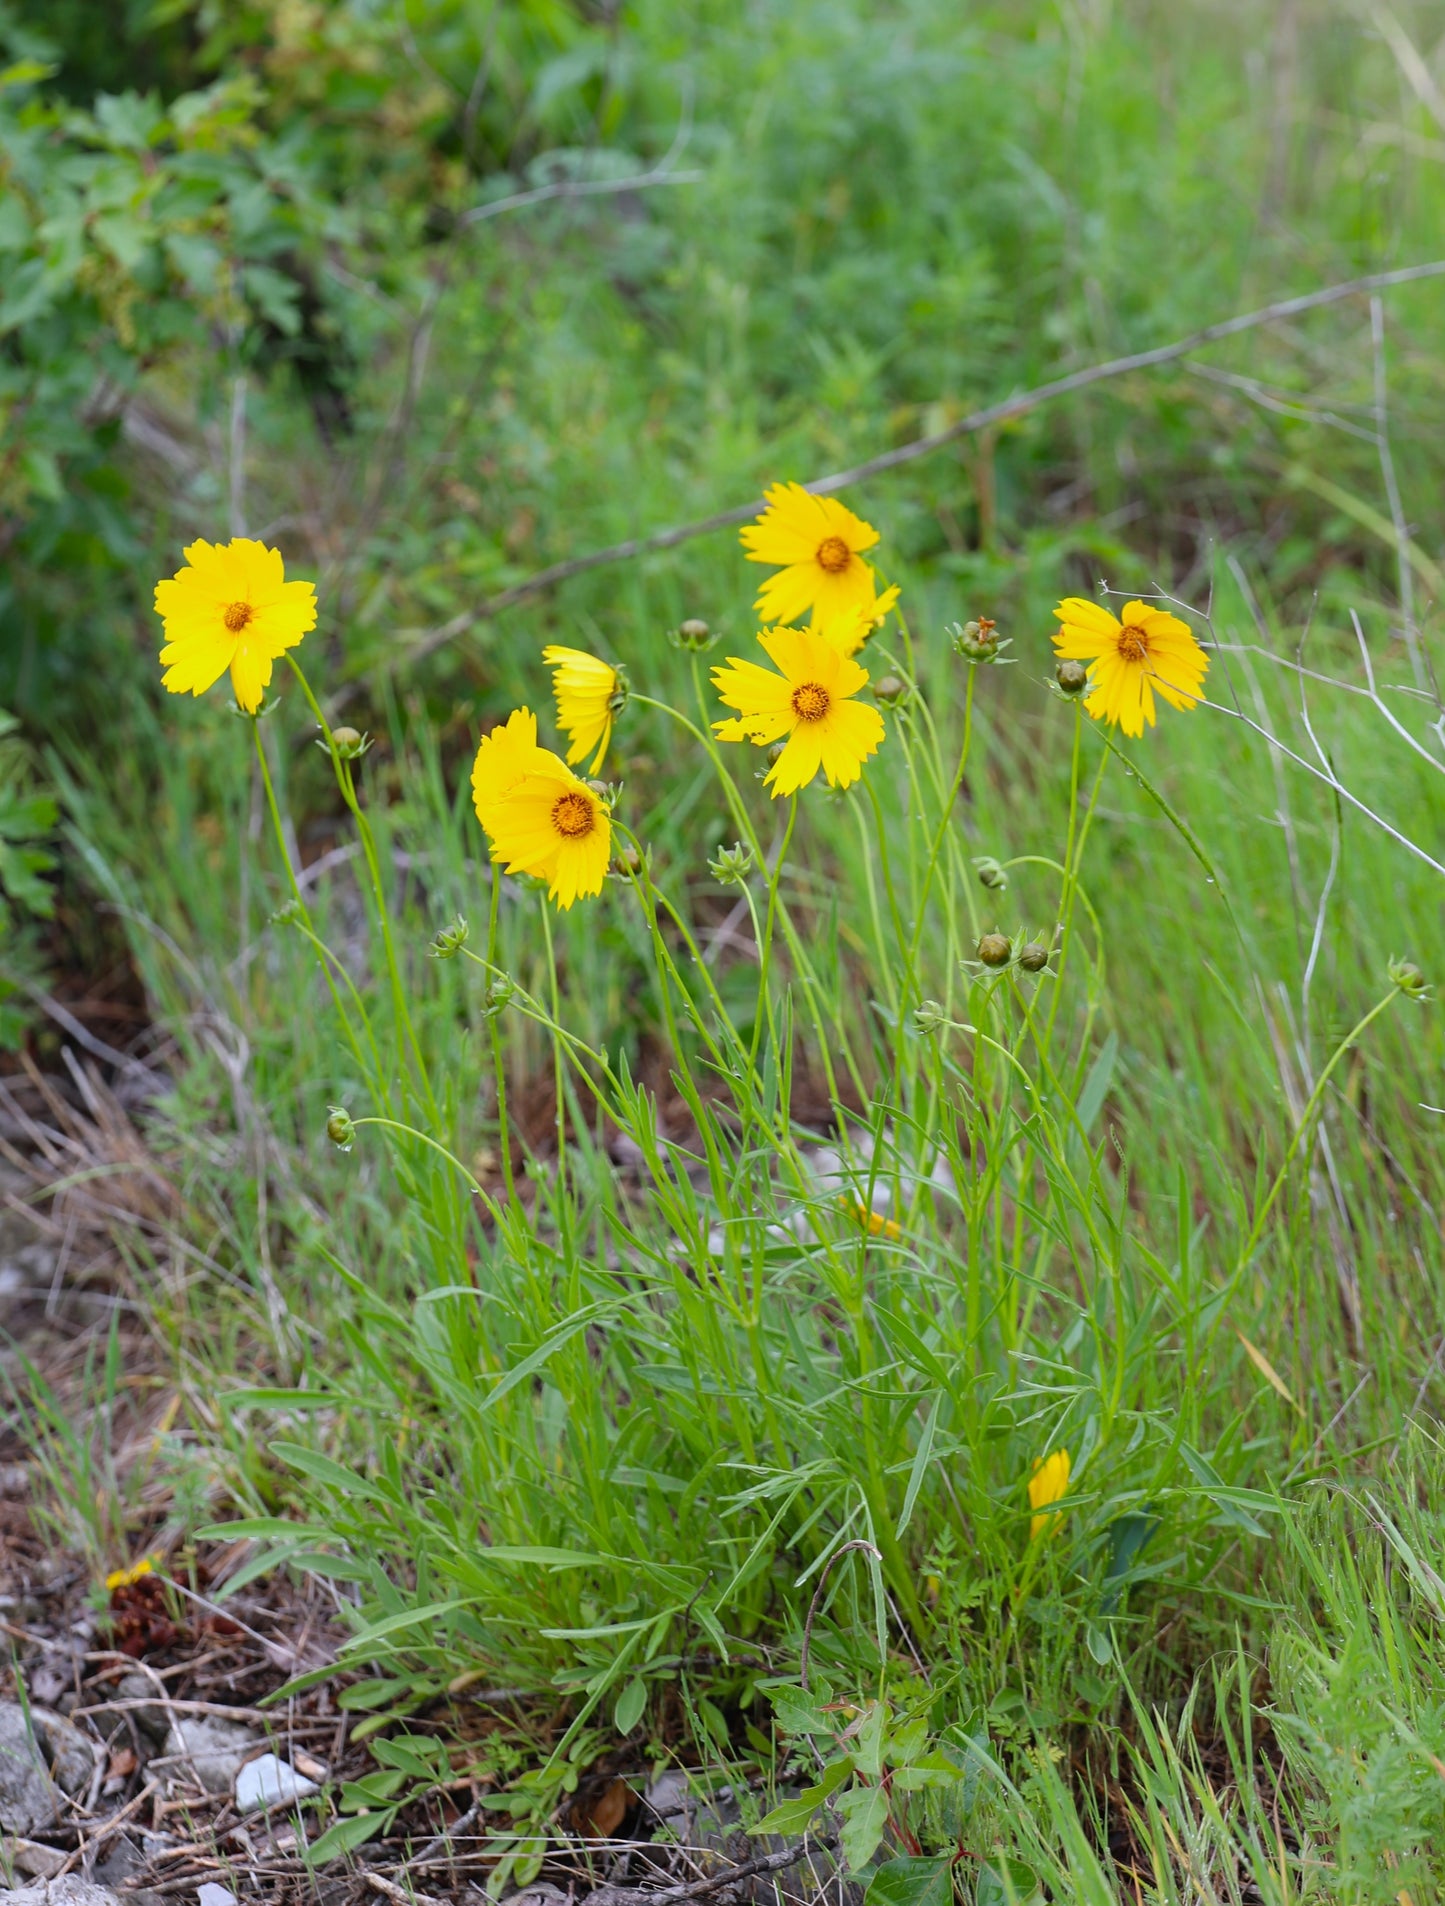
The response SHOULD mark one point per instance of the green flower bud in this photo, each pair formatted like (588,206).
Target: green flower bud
(450,941)
(291,914)
(347,744)
(627,862)
(929,1018)
(891,691)
(1033,956)
(494,1000)
(339,1127)
(1410,980)
(1072,677)
(990,873)
(976,641)
(995,950)
(730,866)
(693,634)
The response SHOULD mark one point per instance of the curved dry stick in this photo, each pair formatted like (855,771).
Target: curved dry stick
(1010,407)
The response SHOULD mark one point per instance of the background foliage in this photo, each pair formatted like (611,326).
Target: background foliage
(264,271)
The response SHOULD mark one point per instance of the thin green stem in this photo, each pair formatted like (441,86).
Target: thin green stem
(499,1070)
(765,950)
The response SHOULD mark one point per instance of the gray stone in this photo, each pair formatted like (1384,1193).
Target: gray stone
(152,1719)
(210,1751)
(29,1798)
(37,1862)
(209,1894)
(269,1781)
(68,1890)
(71,1754)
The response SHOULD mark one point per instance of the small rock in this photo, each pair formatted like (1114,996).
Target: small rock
(210,1750)
(70,1753)
(29,1798)
(270,1782)
(40,1862)
(68,1890)
(212,1895)
(152,1719)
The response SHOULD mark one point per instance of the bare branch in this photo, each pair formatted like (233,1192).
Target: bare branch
(1009,407)
(575,189)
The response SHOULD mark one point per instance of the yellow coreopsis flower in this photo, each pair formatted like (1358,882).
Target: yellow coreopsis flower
(540,818)
(588,693)
(1047,1484)
(231,608)
(809,701)
(124,1577)
(850,628)
(1131,659)
(817,544)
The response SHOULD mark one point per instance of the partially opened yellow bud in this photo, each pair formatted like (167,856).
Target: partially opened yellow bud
(1048,1483)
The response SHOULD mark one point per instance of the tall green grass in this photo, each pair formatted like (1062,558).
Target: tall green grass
(614,1438)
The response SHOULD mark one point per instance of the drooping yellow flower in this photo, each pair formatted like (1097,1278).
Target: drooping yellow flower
(231,608)
(1047,1484)
(588,693)
(540,818)
(850,628)
(809,701)
(124,1577)
(817,543)
(1132,659)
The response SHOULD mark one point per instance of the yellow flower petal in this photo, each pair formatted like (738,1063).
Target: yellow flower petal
(849,629)
(1147,651)
(817,544)
(585,689)
(503,757)
(123,1577)
(550,824)
(808,700)
(1048,1483)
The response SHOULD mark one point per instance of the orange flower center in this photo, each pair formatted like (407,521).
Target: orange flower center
(811,701)
(834,555)
(1132,643)
(572,816)
(237,616)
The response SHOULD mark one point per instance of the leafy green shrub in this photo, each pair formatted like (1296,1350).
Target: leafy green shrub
(28,814)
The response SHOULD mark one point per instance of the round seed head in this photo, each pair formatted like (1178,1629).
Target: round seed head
(1072,677)
(994,950)
(1033,956)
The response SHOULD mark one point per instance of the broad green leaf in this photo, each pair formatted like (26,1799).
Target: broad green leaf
(630,1704)
(912,1882)
(865,1815)
(868,1740)
(1009,1884)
